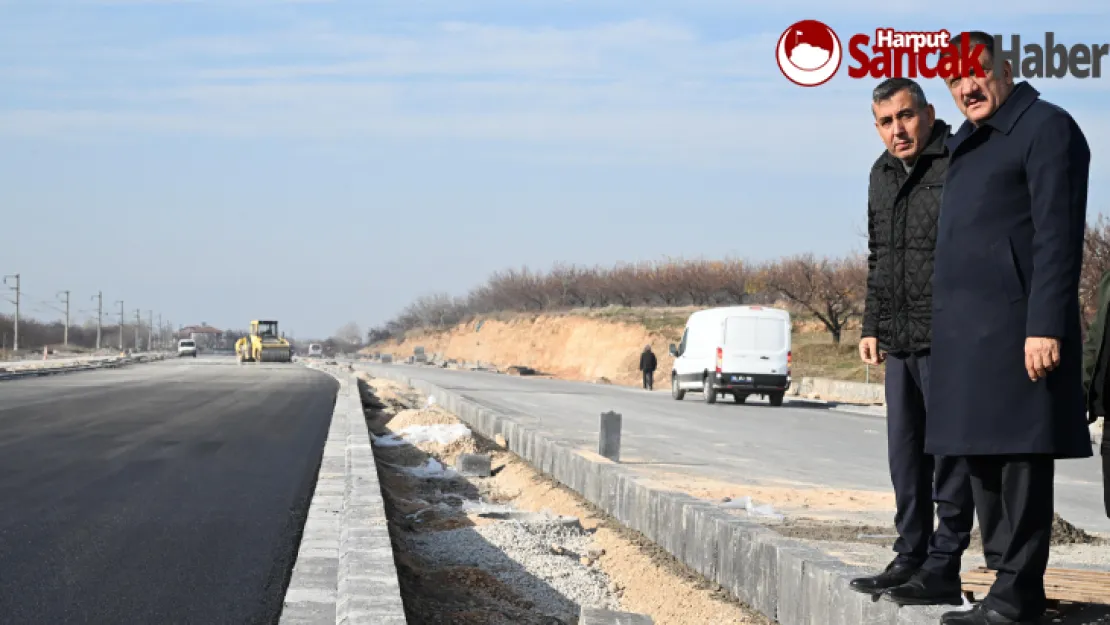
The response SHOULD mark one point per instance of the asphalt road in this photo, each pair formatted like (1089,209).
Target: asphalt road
(751,444)
(171,492)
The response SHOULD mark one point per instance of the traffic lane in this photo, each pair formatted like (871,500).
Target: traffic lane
(723,441)
(754,443)
(174,493)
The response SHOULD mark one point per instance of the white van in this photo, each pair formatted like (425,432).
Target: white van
(186,347)
(738,350)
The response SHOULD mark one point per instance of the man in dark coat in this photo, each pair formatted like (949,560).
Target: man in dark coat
(648,365)
(1007,370)
(1096,377)
(903,203)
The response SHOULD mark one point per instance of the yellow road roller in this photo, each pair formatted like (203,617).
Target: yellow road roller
(264,344)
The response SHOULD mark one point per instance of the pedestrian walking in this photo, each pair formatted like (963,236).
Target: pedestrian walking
(648,364)
(1007,368)
(904,198)
(1096,378)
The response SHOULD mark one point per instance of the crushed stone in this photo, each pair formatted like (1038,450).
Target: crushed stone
(520,555)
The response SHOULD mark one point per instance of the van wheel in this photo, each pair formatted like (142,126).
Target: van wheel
(676,392)
(776,398)
(709,392)
(740,397)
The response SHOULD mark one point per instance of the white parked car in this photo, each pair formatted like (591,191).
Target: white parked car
(186,347)
(315,350)
(735,350)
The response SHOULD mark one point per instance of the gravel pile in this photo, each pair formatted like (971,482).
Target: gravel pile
(543,561)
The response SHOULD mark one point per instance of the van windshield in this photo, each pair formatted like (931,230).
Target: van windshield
(755,334)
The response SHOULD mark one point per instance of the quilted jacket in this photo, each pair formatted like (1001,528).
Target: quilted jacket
(902,213)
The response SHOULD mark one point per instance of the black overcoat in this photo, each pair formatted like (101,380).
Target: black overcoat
(1008,255)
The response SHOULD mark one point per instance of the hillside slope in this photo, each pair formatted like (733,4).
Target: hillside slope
(591,345)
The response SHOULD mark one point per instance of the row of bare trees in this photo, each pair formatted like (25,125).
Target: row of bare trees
(34,334)
(829,289)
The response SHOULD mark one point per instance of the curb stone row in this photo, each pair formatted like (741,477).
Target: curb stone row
(345,573)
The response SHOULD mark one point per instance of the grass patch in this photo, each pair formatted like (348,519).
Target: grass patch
(816,356)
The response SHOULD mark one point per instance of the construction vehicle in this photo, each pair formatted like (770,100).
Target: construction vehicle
(264,344)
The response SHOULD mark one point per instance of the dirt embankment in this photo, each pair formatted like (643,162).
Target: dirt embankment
(605,345)
(566,346)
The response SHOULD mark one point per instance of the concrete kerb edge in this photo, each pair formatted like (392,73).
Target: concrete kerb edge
(345,572)
(783,578)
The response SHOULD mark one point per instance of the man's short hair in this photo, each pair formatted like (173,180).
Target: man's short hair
(891,86)
(974,38)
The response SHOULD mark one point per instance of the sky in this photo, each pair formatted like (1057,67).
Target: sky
(320,162)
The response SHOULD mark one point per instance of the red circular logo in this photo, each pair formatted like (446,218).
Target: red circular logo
(809,53)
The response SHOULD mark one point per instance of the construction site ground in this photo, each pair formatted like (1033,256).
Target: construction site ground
(515,547)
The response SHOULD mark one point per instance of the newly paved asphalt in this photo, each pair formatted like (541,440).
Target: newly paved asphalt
(171,492)
(750,444)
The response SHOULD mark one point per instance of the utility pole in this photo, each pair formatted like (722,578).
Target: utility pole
(15,344)
(120,325)
(150,330)
(65,339)
(99,314)
(138,322)
(161,332)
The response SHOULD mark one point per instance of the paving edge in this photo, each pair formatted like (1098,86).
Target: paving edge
(783,578)
(345,572)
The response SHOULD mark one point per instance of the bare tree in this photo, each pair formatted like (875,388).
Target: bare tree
(349,333)
(1096,261)
(833,290)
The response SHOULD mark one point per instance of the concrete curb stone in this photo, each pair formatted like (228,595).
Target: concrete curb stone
(345,573)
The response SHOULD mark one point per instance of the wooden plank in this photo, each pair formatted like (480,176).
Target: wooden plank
(1073,585)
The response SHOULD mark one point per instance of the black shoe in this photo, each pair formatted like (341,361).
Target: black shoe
(895,574)
(926,588)
(979,615)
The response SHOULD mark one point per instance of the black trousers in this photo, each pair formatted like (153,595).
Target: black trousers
(1105,470)
(920,479)
(649,379)
(1013,496)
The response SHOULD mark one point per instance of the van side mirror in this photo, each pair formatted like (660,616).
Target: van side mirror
(673,350)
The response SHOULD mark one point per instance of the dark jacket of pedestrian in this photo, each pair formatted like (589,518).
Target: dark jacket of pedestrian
(1008,256)
(902,212)
(648,363)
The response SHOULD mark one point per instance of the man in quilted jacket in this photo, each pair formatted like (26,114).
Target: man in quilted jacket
(904,196)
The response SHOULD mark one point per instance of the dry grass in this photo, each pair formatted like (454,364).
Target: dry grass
(816,356)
